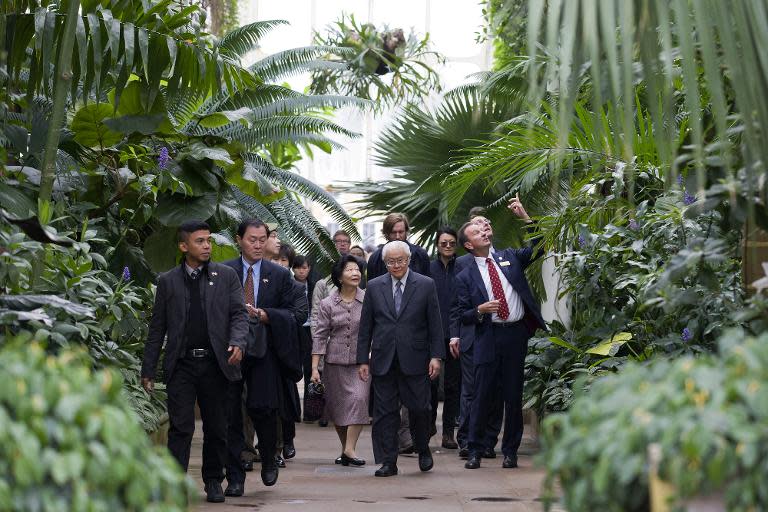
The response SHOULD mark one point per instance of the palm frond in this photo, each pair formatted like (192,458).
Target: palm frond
(292,62)
(242,40)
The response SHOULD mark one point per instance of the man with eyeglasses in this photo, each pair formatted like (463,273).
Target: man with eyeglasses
(442,270)
(465,352)
(496,313)
(396,228)
(400,346)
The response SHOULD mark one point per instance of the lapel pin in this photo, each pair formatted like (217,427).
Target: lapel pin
(265,281)
(214,274)
(210,283)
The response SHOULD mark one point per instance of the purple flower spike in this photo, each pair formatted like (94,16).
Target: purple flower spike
(686,335)
(582,241)
(680,179)
(688,199)
(633,225)
(126,274)
(163,158)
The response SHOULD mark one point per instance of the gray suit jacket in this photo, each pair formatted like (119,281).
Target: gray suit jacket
(225,313)
(415,335)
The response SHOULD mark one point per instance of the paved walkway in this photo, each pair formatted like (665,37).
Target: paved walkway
(313,483)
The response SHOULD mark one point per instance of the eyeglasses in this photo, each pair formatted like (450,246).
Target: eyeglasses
(341,241)
(450,243)
(396,263)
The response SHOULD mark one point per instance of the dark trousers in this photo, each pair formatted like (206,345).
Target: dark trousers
(305,346)
(203,381)
(389,391)
(264,422)
(451,376)
(508,368)
(495,414)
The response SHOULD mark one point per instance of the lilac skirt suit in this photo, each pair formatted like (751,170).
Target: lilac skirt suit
(335,337)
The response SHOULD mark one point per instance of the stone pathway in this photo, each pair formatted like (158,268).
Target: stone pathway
(313,483)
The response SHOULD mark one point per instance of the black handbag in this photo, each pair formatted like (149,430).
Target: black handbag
(314,402)
(256,344)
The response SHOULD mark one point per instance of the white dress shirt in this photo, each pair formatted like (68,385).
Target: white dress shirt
(516,310)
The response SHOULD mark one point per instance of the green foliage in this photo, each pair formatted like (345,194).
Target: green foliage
(657,282)
(707,414)
(70,441)
(67,298)
(423,148)
(506,24)
(375,54)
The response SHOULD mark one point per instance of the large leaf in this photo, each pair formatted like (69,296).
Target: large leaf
(610,346)
(32,302)
(90,129)
(15,202)
(161,249)
(175,209)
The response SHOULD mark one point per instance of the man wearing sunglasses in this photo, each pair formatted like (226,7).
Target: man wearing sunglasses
(442,269)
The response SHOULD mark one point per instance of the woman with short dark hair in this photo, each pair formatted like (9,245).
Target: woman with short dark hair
(335,337)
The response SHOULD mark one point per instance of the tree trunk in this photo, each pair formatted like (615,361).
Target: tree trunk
(63,74)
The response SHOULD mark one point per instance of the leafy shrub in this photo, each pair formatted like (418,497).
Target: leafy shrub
(707,413)
(69,440)
(65,296)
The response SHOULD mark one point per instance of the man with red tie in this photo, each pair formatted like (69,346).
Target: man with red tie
(496,309)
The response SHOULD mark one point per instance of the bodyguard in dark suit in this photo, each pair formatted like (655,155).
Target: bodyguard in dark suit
(268,290)
(465,353)
(199,306)
(498,312)
(400,344)
(396,228)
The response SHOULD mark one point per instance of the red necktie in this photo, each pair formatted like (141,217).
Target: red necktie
(249,298)
(498,290)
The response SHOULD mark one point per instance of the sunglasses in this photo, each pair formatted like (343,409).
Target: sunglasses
(451,243)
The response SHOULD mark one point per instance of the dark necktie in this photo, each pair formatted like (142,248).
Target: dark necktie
(195,274)
(398,296)
(249,298)
(498,290)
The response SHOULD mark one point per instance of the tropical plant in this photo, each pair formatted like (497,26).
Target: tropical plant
(64,295)
(146,162)
(375,54)
(71,442)
(706,414)
(701,59)
(423,147)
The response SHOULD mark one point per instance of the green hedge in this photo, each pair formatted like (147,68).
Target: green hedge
(70,441)
(709,415)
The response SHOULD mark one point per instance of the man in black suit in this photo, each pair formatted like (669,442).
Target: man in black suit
(400,343)
(199,305)
(268,290)
(396,228)
(302,269)
(497,310)
(464,350)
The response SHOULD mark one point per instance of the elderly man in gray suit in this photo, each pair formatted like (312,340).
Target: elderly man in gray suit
(400,344)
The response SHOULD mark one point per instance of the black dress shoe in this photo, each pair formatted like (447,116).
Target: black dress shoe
(473,462)
(464,453)
(509,462)
(354,461)
(279,461)
(425,461)
(269,476)
(235,489)
(289,451)
(449,442)
(323,423)
(247,465)
(489,453)
(338,460)
(213,492)
(386,470)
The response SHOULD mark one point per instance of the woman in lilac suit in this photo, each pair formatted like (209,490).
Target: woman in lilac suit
(335,337)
